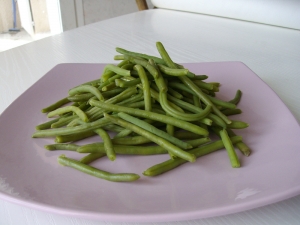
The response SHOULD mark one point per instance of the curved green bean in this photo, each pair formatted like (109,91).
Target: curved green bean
(86,88)
(66,109)
(145,85)
(108,146)
(117,177)
(112,68)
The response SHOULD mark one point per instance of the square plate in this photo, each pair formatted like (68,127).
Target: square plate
(31,176)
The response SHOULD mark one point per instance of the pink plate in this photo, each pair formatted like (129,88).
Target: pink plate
(31,176)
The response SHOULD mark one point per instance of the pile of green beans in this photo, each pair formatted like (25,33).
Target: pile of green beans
(144,105)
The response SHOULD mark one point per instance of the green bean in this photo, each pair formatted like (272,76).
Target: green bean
(237,125)
(191,108)
(65,109)
(145,85)
(86,88)
(173,72)
(237,97)
(204,85)
(182,116)
(46,125)
(174,93)
(153,116)
(156,139)
(245,149)
(71,147)
(108,146)
(71,130)
(91,157)
(122,83)
(200,151)
(126,52)
(55,105)
(230,149)
(229,112)
(123,133)
(154,130)
(108,87)
(74,137)
(117,76)
(115,69)
(142,62)
(200,77)
(123,149)
(117,177)
(221,103)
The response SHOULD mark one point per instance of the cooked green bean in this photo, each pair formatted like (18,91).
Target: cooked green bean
(229,112)
(46,125)
(141,62)
(234,160)
(55,105)
(237,97)
(86,88)
(71,147)
(91,157)
(245,149)
(145,85)
(156,139)
(238,125)
(108,146)
(198,152)
(173,72)
(109,67)
(66,109)
(153,116)
(122,83)
(71,130)
(126,52)
(117,177)
(154,130)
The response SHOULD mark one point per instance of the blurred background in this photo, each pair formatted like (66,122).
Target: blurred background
(24,21)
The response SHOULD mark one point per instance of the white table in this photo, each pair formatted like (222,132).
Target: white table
(271,52)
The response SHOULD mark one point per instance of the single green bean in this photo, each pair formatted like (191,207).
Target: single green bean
(117,177)
(112,68)
(46,125)
(71,130)
(237,97)
(145,85)
(71,147)
(55,105)
(91,157)
(66,109)
(108,146)
(172,72)
(86,88)
(234,160)
(238,125)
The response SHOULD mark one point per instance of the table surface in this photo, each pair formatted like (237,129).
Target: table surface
(273,53)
